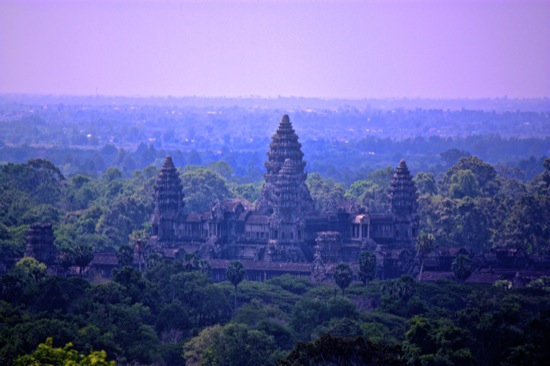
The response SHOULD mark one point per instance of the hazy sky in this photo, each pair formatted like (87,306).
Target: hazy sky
(342,49)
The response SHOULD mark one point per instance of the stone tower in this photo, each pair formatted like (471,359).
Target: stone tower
(284,145)
(40,244)
(403,206)
(285,197)
(287,222)
(168,201)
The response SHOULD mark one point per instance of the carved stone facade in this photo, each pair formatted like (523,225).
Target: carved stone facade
(283,226)
(329,246)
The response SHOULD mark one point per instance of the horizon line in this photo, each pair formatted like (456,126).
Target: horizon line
(244,97)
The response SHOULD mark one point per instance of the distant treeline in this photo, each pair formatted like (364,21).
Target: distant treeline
(344,162)
(342,140)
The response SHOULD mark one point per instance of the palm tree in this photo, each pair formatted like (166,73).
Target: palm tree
(400,288)
(343,276)
(367,267)
(140,240)
(235,275)
(462,267)
(405,286)
(424,246)
(83,255)
(66,259)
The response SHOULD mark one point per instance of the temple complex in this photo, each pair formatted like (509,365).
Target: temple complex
(283,227)
(282,233)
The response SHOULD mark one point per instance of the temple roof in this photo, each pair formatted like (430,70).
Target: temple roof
(285,177)
(168,187)
(402,191)
(258,219)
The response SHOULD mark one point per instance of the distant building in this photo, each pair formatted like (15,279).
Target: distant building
(284,227)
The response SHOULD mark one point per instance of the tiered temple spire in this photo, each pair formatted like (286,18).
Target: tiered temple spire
(402,192)
(168,201)
(403,206)
(284,146)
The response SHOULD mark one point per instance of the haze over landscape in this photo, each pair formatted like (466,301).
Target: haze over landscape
(268,48)
(274,182)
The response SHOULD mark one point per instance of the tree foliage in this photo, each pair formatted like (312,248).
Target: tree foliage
(462,267)
(333,350)
(146,317)
(343,275)
(367,267)
(232,344)
(82,256)
(235,275)
(46,354)
(326,194)
(202,187)
(424,246)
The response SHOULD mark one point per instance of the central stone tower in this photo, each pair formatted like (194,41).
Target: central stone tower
(168,201)
(284,145)
(403,207)
(285,197)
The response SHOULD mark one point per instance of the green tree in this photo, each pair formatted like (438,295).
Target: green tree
(41,214)
(367,267)
(202,187)
(372,192)
(31,268)
(111,175)
(462,267)
(326,194)
(485,177)
(65,258)
(82,255)
(436,343)
(125,255)
(473,222)
(125,212)
(232,344)
(340,327)
(248,191)
(46,354)
(39,178)
(425,183)
(139,239)
(438,217)
(401,288)
(81,192)
(193,262)
(343,276)
(527,225)
(541,282)
(330,350)
(222,168)
(424,246)
(464,184)
(197,350)
(138,289)
(235,274)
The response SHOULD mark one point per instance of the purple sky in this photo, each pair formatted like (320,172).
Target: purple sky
(328,49)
